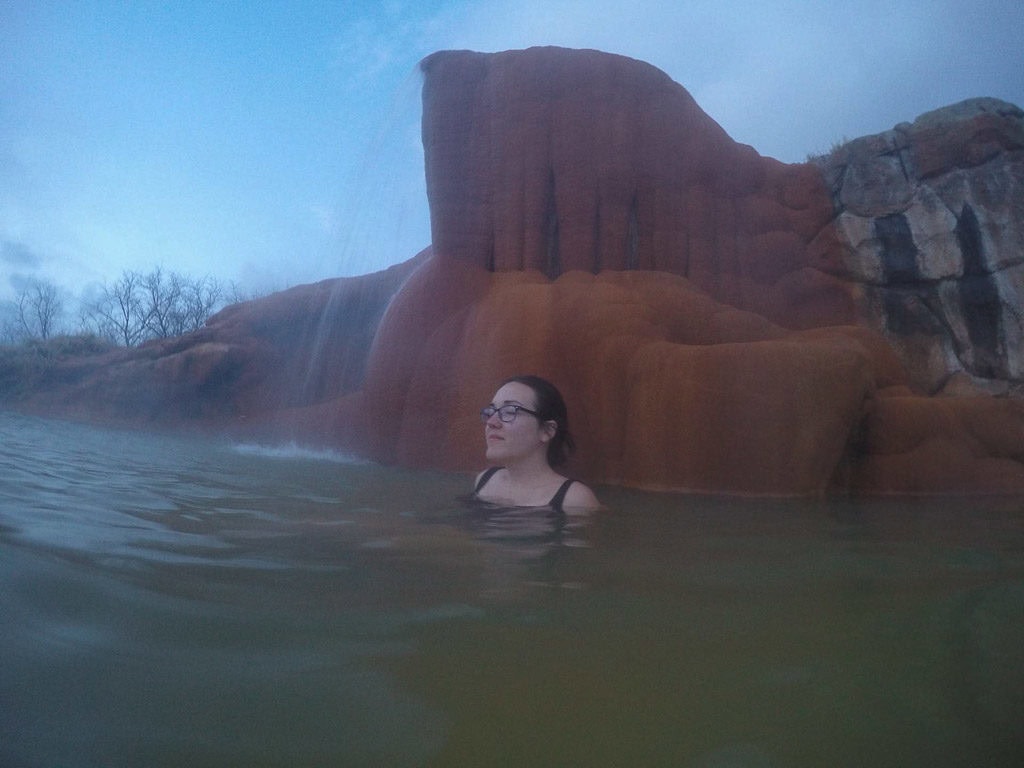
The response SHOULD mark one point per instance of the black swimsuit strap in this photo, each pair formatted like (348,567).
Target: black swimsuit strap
(556,500)
(484,477)
(559,497)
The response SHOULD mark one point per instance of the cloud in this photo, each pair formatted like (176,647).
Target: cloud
(385,43)
(21,282)
(18,255)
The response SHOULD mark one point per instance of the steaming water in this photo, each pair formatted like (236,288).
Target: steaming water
(170,602)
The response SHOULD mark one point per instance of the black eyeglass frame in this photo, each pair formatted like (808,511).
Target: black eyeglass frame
(507,413)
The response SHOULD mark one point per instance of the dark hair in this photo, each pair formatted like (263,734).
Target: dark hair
(550,406)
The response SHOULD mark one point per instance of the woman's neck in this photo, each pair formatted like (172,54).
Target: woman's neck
(530,470)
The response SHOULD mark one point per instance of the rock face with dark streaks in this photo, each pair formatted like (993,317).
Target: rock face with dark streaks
(718,321)
(931,216)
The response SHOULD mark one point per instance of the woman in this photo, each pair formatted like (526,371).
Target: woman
(527,434)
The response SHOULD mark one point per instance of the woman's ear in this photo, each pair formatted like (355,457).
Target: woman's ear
(549,429)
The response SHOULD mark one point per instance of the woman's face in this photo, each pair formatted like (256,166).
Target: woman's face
(507,442)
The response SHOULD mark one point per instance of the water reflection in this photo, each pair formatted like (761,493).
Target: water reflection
(542,528)
(522,548)
(170,602)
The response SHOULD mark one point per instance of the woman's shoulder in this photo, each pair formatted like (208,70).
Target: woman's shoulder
(579,496)
(481,479)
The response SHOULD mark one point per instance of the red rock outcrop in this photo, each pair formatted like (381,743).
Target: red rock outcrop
(667,387)
(750,372)
(695,302)
(560,160)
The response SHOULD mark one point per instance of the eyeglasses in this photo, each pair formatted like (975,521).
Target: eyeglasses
(507,413)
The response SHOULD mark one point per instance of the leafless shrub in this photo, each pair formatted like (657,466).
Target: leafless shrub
(157,305)
(37,311)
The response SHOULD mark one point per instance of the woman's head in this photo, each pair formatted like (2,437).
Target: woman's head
(550,407)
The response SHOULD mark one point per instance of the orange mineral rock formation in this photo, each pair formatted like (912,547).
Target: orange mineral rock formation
(718,321)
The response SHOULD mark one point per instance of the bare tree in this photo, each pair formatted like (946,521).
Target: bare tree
(156,305)
(176,304)
(200,298)
(38,308)
(9,332)
(162,298)
(233,293)
(118,314)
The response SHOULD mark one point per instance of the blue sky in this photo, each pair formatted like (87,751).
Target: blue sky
(276,143)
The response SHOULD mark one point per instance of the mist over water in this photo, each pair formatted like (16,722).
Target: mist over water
(172,601)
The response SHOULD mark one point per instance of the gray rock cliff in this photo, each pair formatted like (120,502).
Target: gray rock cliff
(931,215)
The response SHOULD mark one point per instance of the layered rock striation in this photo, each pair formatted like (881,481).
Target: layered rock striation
(718,321)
